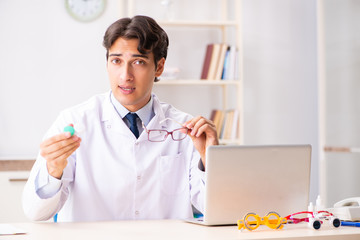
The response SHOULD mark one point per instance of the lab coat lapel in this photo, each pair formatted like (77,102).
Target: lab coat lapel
(159,115)
(112,121)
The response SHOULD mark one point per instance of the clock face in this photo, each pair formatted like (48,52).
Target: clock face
(85,10)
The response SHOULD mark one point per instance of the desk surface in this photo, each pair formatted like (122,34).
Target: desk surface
(171,229)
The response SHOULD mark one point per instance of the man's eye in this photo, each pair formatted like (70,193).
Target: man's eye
(139,62)
(115,61)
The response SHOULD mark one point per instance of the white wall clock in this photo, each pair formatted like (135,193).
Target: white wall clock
(85,10)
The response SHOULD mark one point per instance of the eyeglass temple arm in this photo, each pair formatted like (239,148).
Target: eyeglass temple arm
(170,120)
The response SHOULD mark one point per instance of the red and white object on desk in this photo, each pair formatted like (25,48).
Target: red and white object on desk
(315,220)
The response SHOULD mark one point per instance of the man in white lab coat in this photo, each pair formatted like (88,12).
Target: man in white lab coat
(129,158)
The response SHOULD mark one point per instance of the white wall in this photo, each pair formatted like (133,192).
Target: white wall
(48,62)
(342,47)
(280,72)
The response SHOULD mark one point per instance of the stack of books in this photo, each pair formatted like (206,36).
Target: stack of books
(220,62)
(226,122)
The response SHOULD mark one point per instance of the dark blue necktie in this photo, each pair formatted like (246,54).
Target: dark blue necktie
(133,126)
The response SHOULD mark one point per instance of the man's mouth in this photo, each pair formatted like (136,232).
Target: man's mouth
(127,90)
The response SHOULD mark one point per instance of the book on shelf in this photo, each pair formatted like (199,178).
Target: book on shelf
(206,64)
(220,62)
(230,67)
(226,123)
(227,126)
(214,61)
(221,59)
(226,64)
(236,64)
(217,118)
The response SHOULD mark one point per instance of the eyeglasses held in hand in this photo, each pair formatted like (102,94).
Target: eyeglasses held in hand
(160,135)
(252,221)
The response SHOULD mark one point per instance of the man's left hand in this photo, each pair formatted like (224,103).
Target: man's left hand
(203,134)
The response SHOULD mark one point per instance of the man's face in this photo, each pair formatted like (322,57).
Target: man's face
(132,73)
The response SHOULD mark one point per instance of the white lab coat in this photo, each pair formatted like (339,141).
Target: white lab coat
(113,175)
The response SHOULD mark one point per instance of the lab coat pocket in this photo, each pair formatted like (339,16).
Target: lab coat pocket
(173,174)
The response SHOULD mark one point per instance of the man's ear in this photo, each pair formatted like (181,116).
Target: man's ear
(160,67)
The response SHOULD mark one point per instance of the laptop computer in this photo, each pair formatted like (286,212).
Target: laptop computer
(256,179)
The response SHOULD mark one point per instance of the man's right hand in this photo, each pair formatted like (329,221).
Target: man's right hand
(56,150)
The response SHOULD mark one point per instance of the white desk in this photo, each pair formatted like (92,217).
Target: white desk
(170,229)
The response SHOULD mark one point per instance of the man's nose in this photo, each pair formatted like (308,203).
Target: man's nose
(126,73)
